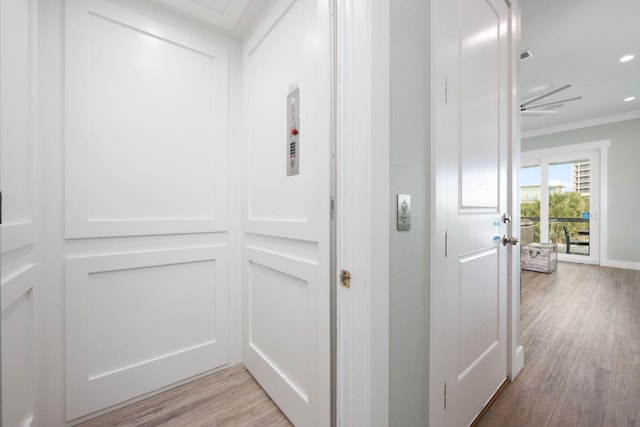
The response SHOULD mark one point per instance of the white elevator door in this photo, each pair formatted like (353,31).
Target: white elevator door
(286,340)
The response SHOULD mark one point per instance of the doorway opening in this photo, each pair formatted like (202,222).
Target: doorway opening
(561,193)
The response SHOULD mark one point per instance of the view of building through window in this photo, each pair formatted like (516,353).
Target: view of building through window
(581,173)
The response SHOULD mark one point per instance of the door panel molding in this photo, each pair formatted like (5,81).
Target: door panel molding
(475,298)
(270,208)
(175,356)
(15,236)
(18,284)
(148,180)
(282,294)
(18,336)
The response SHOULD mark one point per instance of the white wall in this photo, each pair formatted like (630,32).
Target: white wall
(409,295)
(623,233)
(143,248)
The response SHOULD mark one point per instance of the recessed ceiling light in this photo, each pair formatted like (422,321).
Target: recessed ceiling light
(626,58)
(629,99)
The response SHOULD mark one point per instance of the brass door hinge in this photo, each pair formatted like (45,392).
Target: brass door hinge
(345,279)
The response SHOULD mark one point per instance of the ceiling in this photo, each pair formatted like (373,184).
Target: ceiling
(577,42)
(231,17)
(580,42)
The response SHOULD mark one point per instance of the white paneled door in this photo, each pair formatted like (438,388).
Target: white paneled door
(19,266)
(286,281)
(471,291)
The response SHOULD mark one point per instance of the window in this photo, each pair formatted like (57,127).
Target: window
(560,200)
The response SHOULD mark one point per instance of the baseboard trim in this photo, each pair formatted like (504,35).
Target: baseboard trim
(518,363)
(628,265)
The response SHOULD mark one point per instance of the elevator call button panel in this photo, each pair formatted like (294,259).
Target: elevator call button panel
(293,132)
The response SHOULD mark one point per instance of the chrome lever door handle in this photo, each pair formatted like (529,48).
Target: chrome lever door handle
(509,240)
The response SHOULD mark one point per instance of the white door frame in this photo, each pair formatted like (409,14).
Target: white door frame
(363,200)
(363,211)
(596,151)
(515,359)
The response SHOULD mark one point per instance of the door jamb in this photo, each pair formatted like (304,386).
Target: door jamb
(362,216)
(515,358)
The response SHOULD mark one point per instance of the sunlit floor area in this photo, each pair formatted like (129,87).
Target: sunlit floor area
(581,333)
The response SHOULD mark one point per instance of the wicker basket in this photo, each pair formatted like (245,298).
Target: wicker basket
(542,257)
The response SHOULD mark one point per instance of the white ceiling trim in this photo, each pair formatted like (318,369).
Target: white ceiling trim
(227,19)
(582,124)
(218,6)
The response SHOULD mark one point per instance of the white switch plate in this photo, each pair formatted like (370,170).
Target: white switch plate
(404,212)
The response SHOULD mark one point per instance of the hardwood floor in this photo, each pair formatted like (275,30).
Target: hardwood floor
(581,332)
(580,329)
(227,398)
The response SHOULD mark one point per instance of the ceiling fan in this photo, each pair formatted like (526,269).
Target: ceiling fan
(538,107)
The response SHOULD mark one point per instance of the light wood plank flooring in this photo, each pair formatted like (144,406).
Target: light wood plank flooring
(581,333)
(227,398)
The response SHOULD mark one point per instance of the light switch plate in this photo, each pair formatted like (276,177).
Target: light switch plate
(404,212)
